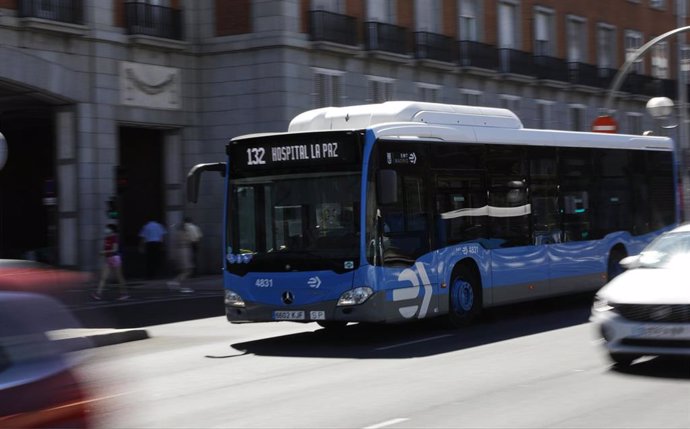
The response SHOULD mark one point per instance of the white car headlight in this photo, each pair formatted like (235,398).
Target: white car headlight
(233,299)
(601,304)
(355,296)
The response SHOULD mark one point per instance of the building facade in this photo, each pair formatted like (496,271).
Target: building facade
(106,104)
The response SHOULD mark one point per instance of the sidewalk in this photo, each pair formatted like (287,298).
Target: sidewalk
(141,290)
(146,297)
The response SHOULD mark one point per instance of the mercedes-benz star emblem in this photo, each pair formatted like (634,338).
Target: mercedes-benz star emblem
(288,297)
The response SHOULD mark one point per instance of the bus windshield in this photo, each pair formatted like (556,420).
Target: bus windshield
(294,223)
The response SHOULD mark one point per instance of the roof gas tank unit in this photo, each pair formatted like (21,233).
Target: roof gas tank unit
(366,115)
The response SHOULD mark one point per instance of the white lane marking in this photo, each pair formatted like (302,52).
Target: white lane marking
(386,423)
(414,342)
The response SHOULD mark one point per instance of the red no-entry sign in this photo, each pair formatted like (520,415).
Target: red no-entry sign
(605,124)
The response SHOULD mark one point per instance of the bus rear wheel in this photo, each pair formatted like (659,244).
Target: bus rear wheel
(614,267)
(465,298)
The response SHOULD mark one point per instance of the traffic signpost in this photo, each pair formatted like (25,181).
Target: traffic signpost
(605,124)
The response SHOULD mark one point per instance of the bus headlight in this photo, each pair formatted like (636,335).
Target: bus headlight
(355,296)
(232,299)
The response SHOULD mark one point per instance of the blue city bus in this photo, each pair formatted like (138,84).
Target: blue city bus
(401,211)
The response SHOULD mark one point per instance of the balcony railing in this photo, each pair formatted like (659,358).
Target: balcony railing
(583,74)
(432,46)
(477,54)
(551,68)
(516,62)
(151,20)
(327,26)
(69,11)
(606,76)
(379,36)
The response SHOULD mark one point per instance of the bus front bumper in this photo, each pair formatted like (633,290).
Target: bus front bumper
(372,310)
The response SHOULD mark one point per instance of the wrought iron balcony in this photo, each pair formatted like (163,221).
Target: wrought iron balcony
(583,74)
(69,11)
(606,76)
(379,36)
(477,54)
(327,26)
(150,20)
(551,68)
(432,46)
(666,88)
(516,62)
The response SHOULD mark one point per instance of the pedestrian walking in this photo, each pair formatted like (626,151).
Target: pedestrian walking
(182,244)
(152,235)
(195,236)
(112,262)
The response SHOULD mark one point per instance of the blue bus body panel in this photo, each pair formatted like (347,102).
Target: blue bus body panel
(306,287)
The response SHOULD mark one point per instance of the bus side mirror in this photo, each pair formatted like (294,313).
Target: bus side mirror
(386,187)
(194,177)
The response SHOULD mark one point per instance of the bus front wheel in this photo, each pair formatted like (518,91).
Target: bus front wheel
(465,297)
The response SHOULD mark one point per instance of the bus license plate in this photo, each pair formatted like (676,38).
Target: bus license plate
(317,315)
(288,315)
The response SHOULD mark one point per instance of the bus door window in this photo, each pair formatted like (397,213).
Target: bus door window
(509,207)
(462,207)
(543,191)
(613,209)
(405,224)
(576,184)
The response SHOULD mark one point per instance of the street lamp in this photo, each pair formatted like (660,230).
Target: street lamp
(661,108)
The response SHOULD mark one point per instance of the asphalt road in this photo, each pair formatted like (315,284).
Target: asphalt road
(528,366)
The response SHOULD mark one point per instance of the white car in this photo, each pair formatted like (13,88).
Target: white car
(646,309)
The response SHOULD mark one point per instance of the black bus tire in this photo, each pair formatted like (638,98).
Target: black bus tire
(464,297)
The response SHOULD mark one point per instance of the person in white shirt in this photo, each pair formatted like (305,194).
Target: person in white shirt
(152,235)
(194,233)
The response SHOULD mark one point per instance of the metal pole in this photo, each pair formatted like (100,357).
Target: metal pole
(683,149)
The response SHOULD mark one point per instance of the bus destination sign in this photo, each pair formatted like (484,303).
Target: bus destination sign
(267,153)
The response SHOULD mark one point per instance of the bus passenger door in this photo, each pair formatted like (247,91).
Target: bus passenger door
(520,269)
(410,272)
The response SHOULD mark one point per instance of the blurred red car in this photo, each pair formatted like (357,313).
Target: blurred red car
(30,276)
(39,384)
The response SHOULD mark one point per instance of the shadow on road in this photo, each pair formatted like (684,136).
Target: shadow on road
(659,367)
(425,338)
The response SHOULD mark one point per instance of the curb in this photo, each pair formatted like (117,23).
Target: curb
(82,339)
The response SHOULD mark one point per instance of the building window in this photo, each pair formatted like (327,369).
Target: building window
(380,89)
(660,60)
(428,92)
(468,22)
(576,117)
(657,4)
(327,87)
(428,15)
(510,102)
(576,28)
(470,97)
(508,30)
(382,11)
(544,114)
(634,122)
(336,6)
(606,46)
(544,32)
(633,40)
